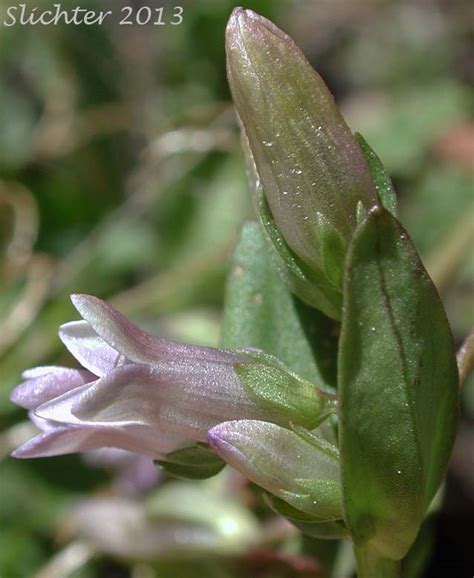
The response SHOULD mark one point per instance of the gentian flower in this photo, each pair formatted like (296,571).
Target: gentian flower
(151,396)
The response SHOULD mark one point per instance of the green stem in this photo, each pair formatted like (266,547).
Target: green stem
(371,565)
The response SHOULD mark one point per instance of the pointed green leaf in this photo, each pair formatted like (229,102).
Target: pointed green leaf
(398,387)
(382,181)
(332,252)
(260,312)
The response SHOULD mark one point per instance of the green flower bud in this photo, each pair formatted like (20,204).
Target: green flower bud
(306,161)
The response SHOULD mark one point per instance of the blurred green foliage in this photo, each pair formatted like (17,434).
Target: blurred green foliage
(121,176)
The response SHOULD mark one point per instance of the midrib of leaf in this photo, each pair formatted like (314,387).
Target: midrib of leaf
(401,352)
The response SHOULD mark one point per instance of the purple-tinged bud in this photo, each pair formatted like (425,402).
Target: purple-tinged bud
(308,167)
(301,470)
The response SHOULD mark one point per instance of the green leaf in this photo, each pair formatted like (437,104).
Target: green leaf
(420,554)
(398,387)
(382,181)
(194,463)
(260,312)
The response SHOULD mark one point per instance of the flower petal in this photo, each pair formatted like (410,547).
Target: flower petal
(88,348)
(129,430)
(63,439)
(40,370)
(47,383)
(137,345)
(54,443)
(44,425)
(187,399)
(58,410)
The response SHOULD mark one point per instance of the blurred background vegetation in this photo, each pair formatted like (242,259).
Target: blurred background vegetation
(121,176)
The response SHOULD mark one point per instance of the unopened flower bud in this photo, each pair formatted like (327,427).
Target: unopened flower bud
(302,471)
(307,163)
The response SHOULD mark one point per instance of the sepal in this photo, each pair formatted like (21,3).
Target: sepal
(310,285)
(275,388)
(196,462)
(332,530)
(383,183)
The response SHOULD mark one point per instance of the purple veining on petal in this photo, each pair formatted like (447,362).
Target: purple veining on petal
(137,345)
(128,419)
(53,443)
(136,394)
(88,348)
(47,385)
(130,396)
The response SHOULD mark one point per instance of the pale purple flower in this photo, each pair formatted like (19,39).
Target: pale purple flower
(136,392)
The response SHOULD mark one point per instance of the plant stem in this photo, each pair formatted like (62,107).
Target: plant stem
(465,357)
(371,565)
